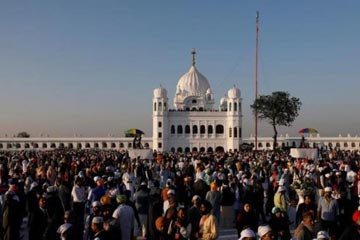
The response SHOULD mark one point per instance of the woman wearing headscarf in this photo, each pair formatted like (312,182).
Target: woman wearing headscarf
(246,218)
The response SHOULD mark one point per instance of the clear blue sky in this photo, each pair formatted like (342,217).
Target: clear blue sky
(89,67)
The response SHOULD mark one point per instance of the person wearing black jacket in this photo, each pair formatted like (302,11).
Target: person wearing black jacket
(38,220)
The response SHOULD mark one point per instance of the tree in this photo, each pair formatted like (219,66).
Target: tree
(279,109)
(23,135)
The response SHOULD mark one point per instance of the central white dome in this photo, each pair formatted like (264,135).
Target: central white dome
(192,83)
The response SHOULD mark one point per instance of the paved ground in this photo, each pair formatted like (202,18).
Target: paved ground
(228,234)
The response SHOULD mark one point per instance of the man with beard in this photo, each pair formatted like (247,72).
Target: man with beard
(96,207)
(195,216)
(305,230)
(208,227)
(180,228)
(328,212)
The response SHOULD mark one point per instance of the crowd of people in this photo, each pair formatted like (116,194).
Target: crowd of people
(72,194)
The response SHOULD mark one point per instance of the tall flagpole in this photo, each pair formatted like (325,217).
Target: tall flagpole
(256,76)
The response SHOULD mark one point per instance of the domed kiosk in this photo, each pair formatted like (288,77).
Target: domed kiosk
(194,124)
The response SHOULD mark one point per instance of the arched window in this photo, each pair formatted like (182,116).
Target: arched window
(165,106)
(179,150)
(18,145)
(210,129)
(210,149)
(172,129)
(44,145)
(235,106)
(129,145)
(346,144)
(87,145)
(52,145)
(121,145)
(353,145)
(230,132)
(293,144)
(187,129)
(70,146)
(96,145)
(330,145)
(202,149)
(283,145)
(160,106)
(202,129)
(154,106)
(26,145)
(187,149)
(36,145)
(194,129)
(172,150)
(337,144)
(194,149)
(260,145)
(267,144)
(179,129)
(146,145)
(104,145)
(79,146)
(235,132)
(113,145)
(61,146)
(229,107)
(8,146)
(219,129)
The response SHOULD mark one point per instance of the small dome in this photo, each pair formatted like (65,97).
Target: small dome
(160,92)
(234,93)
(223,100)
(193,83)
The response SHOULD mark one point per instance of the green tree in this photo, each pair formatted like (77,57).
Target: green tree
(278,109)
(23,135)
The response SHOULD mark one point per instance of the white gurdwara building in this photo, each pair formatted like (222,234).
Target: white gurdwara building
(194,124)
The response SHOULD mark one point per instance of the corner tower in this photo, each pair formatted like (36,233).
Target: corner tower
(160,119)
(234,118)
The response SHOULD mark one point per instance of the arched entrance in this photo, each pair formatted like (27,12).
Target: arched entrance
(219,149)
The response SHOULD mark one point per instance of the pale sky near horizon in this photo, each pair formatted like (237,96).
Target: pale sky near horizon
(89,67)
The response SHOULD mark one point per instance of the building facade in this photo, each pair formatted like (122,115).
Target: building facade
(194,124)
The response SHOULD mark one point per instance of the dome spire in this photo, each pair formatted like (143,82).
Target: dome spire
(193,56)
